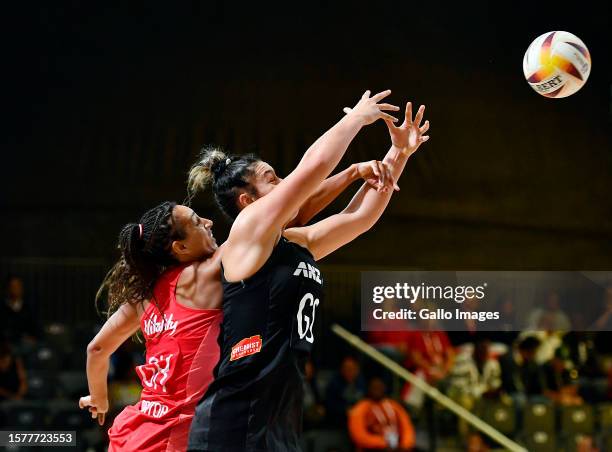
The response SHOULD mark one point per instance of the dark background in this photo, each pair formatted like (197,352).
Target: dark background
(107,105)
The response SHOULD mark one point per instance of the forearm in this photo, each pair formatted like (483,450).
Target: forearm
(329,190)
(368,204)
(97,373)
(23,379)
(23,388)
(363,211)
(261,224)
(325,153)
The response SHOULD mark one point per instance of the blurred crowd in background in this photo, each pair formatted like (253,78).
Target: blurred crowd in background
(550,388)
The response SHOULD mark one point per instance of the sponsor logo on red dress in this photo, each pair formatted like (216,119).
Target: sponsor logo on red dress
(156,372)
(247,346)
(154,324)
(153,408)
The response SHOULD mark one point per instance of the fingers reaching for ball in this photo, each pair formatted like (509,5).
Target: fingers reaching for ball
(369,110)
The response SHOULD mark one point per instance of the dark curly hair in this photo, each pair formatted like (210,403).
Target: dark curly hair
(146,253)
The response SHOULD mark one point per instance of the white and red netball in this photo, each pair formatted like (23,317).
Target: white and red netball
(557,64)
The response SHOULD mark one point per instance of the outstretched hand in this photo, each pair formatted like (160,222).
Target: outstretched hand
(410,135)
(369,110)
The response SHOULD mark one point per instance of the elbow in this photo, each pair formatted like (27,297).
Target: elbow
(94,349)
(318,164)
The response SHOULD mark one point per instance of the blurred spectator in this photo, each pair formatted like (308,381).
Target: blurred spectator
(345,389)
(465,330)
(562,379)
(586,444)
(503,330)
(520,373)
(380,423)
(393,344)
(604,321)
(548,340)
(550,316)
(19,324)
(13,379)
(475,443)
(314,410)
(430,356)
(475,374)
(581,351)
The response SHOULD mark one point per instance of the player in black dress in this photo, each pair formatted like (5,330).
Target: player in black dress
(271,283)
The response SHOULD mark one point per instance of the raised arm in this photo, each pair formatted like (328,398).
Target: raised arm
(331,188)
(368,204)
(258,226)
(120,326)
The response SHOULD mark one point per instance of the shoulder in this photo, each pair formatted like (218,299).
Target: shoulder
(208,292)
(209,267)
(394,404)
(243,225)
(360,407)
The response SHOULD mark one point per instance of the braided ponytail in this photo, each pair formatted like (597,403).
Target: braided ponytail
(145,254)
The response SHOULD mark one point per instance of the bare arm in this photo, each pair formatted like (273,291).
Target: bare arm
(120,326)
(368,204)
(23,380)
(331,188)
(258,226)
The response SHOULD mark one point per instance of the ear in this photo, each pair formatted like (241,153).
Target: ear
(178,248)
(244,199)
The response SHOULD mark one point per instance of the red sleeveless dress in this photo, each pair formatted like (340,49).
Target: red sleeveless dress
(182,350)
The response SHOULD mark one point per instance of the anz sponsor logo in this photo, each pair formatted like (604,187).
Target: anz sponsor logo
(308,271)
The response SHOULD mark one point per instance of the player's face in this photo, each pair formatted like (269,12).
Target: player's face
(263,180)
(199,241)
(377,389)
(15,288)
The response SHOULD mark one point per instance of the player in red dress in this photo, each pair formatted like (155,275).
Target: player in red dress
(166,284)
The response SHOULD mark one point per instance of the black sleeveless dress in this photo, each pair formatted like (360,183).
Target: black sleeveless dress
(255,401)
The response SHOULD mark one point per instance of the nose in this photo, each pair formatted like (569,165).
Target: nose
(209,224)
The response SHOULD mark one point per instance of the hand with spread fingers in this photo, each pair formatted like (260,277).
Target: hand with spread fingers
(410,135)
(369,110)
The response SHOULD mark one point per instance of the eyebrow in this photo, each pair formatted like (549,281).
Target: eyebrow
(269,171)
(193,215)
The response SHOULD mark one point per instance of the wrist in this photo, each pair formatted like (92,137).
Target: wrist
(354,121)
(354,172)
(398,151)
(99,398)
